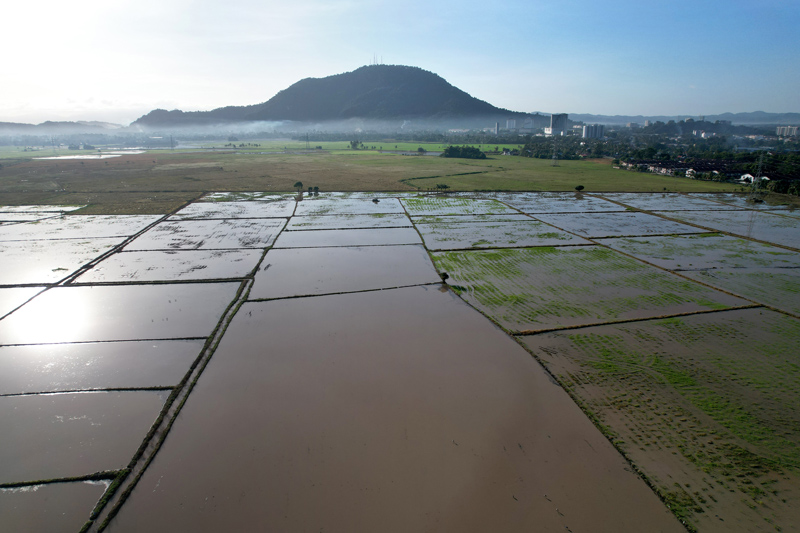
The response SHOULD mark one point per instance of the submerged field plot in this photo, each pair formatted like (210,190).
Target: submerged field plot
(556,202)
(454,206)
(759,272)
(770,227)
(284,361)
(706,405)
(464,233)
(544,288)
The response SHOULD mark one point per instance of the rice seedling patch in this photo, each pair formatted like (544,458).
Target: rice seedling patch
(541,288)
(775,287)
(704,405)
(453,236)
(434,205)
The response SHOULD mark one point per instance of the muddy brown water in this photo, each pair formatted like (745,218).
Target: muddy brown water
(347,237)
(173,265)
(53,507)
(398,410)
(115,313)
(307,271)
(44,261)
(50,436)
(106,365)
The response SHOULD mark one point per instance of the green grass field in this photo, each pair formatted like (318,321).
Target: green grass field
(162,180)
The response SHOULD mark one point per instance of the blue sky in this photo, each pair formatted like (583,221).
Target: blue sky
(114,61)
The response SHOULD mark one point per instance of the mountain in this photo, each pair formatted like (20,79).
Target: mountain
(379,92)
(58,128)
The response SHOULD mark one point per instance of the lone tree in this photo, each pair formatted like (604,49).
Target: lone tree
(298,185)
(579,188)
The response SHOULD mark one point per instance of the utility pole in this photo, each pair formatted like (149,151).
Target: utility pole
(757,180)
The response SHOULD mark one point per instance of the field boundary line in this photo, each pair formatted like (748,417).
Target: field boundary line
(530,332)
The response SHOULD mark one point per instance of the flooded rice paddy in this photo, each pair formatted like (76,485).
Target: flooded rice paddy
(557,202)
(209,235)
(770,227)
(50,507)
(668,202)
(350,237)
(327,222)
(48,261)
(326,205)
(221,210)
(599,225)
(78,227)
(532,289)
(49,436)
(174,265)
(706,404)
(313,271)
(354,424)
(335,383)
(36,368)
(456,236)
(118,312)
(13,297)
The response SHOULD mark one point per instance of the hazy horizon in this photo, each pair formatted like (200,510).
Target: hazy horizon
(116,62)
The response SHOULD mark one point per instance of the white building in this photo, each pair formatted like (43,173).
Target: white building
(594,131)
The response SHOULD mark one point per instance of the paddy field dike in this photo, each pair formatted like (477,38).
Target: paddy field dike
(402,361)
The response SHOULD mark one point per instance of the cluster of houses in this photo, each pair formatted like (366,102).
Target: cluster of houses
(721,169)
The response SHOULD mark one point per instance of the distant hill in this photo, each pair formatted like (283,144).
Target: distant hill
(754,118)
(58,128)
(379,92)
